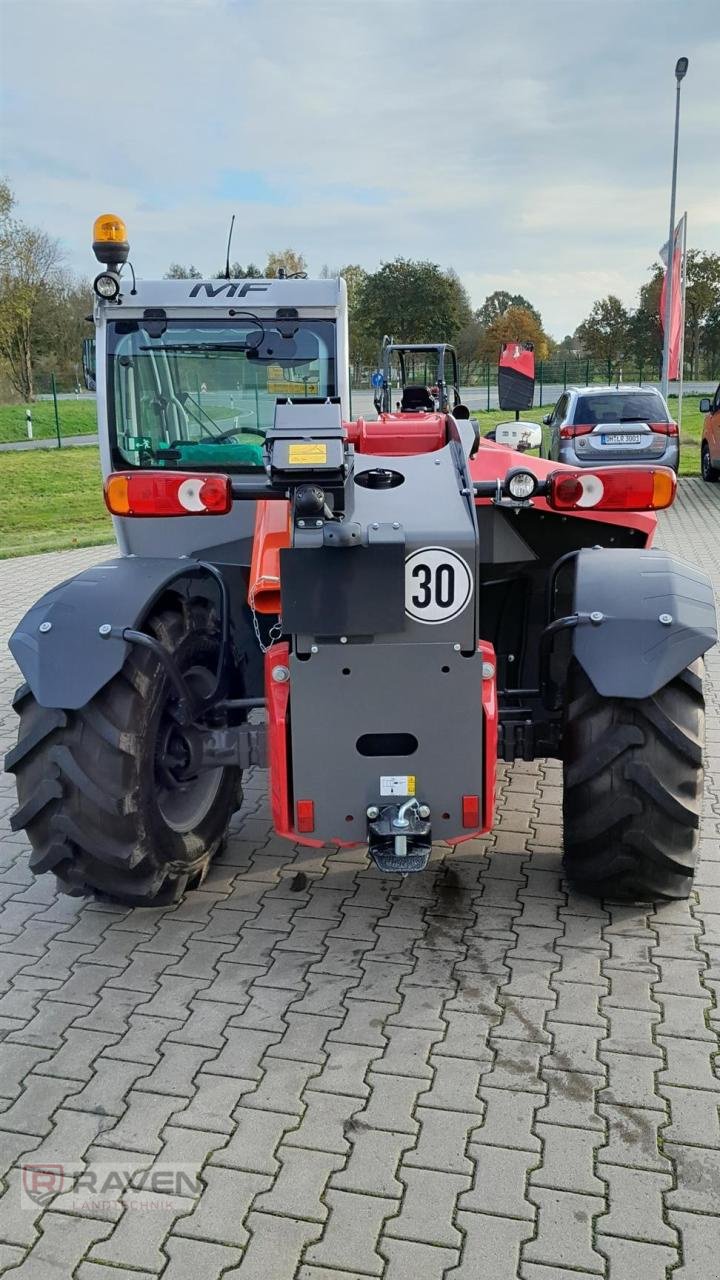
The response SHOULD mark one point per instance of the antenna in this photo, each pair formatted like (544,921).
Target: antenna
(227,256)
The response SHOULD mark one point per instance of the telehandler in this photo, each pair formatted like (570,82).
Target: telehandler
(374,610)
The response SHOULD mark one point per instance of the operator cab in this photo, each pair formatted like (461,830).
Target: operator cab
(189,372)
(427,374)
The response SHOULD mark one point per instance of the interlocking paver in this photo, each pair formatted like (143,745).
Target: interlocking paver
(499,1182)
(423,1188)
(350,1237)
(565,1231)
(139,1248)
(700,1236)
(220,1213)
(276,1247)
(491,1247)
(635,1197)
(190,1259)
(65,1240)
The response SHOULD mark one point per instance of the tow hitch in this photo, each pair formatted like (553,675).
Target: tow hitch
(399,836)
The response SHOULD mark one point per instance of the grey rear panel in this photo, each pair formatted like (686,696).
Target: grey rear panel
(428,692)
(377,668)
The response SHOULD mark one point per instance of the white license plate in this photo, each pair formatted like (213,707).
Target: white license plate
(620,437)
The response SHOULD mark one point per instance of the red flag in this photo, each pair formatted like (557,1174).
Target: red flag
(676,317)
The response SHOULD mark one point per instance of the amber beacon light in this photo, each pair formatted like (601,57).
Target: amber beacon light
(111,247)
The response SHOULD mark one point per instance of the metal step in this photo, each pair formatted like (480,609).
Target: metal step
(389,862)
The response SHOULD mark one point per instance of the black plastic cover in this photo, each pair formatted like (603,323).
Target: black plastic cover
(631,653)
(343,591)
(68,663)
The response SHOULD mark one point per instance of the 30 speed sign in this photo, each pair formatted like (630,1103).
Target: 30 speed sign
(438,585)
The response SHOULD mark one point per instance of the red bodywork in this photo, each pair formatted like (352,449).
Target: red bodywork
(398,435)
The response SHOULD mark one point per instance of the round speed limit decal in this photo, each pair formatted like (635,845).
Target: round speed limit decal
(438,585)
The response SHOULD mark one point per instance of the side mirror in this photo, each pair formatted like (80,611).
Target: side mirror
(547,419)
(705,405)
(519,435)
(461,411)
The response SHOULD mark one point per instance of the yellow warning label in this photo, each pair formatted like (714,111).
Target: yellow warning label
(306,454)
(397,784)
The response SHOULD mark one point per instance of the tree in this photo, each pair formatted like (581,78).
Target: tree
(176,271)
(288,260)
(646,335)
(29,265)
(516,324)
(239,272)
(711,340)
(413,302)
(468,345)
(605,334)
(702,295)
(497,303)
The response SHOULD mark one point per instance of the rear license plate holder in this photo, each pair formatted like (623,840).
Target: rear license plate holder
(620,437)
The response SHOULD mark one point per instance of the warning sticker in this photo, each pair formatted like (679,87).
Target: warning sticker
(397,784)
(303,454)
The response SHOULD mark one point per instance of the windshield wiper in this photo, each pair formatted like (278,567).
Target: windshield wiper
(202,346)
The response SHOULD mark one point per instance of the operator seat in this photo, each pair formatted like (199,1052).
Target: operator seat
(415,398)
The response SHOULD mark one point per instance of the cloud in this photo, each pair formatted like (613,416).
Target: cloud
(521,146)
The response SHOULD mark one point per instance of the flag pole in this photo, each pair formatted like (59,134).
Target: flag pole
(683,286)
(680,70)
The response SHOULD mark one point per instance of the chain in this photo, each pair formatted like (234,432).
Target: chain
(276,629)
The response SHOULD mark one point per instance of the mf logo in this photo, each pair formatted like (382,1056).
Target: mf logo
(231,289)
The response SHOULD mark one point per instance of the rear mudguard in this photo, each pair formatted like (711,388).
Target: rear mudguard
(653,615)
(58,645)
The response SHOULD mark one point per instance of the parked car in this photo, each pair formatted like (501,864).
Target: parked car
(710,447)
(592,426)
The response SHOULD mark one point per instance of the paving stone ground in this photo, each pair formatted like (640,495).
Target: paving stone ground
(474,1074)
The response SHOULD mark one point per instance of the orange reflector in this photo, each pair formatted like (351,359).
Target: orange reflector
(109,229)
(612,489)
(167,493)
(471,811)
(305,810)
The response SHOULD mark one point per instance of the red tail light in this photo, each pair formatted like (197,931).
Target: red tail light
(664,428)
(577,429)
(471,812)
(167,493)
(612,489)
(305,813)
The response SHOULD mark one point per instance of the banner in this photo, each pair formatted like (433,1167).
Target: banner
(676,301)
(516,375)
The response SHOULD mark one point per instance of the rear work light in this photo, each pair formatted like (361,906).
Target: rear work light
(578,429)
(612,489)
(171,493)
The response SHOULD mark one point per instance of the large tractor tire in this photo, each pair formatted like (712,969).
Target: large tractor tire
(633,781)
(100,808)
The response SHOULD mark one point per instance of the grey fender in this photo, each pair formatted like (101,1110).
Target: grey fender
(658,616)
(58,645)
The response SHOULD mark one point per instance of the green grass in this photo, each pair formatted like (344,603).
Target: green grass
(690,430)
(51,500)
(77,418)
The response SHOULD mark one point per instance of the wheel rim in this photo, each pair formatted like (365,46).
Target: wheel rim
(705,462)
(184,804)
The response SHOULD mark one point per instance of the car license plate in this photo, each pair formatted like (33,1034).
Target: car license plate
(621,437)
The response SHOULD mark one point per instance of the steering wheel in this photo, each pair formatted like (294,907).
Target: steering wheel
(238,431)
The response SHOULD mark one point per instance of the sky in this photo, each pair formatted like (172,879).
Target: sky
(526,144)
